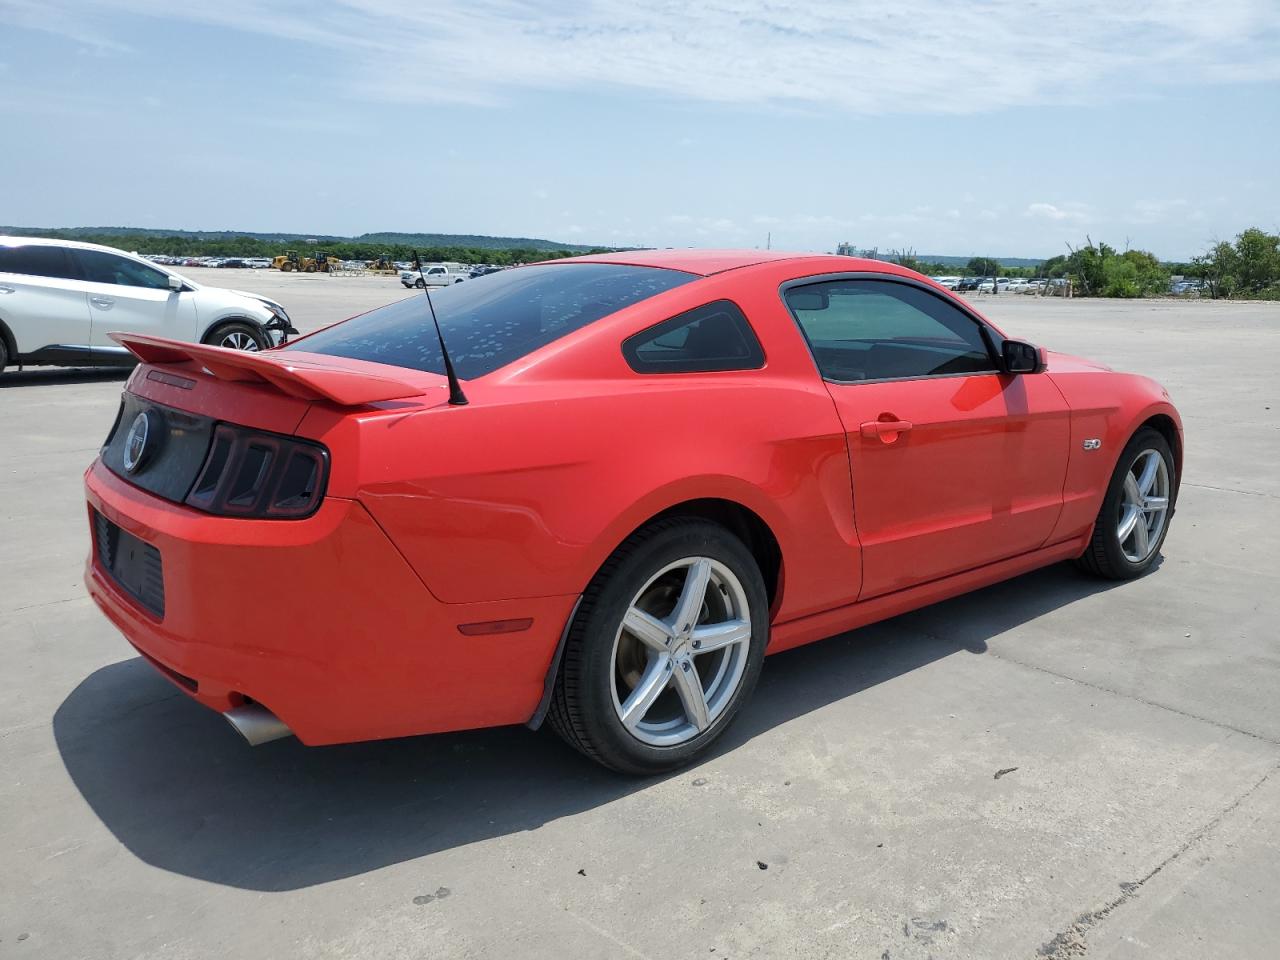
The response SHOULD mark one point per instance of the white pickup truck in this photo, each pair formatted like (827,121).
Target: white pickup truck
(436,275)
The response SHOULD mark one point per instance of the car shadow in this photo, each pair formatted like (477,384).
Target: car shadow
(183,793)
(41,376)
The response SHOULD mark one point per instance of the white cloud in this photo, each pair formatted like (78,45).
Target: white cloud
(1072,212)
(56,18)
(855,55)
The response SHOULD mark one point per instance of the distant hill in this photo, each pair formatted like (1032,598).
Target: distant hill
(474,242)
(191,239)
(425,240)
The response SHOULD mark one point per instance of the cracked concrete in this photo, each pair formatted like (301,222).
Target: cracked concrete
(1050,767)
(1072,942)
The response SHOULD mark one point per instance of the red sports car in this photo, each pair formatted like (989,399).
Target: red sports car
(656,468)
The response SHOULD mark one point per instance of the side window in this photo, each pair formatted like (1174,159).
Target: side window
(707,339)
(35,260)
(881,330)
(101,267)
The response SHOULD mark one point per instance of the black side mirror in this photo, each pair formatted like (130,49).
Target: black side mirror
(1020,357)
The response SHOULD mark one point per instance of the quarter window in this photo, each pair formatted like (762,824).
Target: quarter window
(100,267)
(35,260)
(707,339)
(881,330)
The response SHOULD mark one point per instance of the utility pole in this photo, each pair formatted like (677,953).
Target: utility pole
(768,241)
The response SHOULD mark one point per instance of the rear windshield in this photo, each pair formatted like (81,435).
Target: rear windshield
(491,321)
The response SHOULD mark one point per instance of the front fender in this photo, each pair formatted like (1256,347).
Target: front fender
(1110,408)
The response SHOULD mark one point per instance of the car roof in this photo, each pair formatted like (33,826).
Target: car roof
(704,263)
(54,241)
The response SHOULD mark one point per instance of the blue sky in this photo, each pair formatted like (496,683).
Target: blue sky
(1006,127)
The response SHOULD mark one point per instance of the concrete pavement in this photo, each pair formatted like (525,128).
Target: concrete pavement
(853,811)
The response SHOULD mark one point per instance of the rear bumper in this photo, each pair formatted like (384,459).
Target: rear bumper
(320,620)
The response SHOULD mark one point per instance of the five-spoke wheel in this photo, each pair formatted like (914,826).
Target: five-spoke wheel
(1134,518)
(666,645)
(1144,504)
(681,651)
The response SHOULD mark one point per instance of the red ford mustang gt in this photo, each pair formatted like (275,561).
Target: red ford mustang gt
(668,465)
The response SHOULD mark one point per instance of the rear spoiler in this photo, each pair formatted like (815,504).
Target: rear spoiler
(349,383)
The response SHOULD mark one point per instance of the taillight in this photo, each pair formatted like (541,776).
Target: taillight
(248,473)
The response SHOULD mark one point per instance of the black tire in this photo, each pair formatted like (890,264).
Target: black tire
(582,708)
(419,283)
(237,329)
(4,354)
(1104,557)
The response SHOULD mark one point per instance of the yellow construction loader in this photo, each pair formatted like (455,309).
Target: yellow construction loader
(292,263)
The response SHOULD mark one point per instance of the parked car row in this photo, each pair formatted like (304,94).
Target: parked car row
(60,301)
(243,263)
(437,274)
(443,274)
(998,284)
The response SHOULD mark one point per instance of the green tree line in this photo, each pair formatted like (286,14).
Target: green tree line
(1099,270)
(234,246)
(1248,267)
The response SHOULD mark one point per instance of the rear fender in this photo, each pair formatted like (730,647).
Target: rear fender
(526,492)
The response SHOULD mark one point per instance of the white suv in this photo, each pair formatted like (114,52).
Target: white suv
(59,300)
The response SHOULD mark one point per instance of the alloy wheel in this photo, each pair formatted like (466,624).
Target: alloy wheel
(238,340)
(680,653)
(1144,506)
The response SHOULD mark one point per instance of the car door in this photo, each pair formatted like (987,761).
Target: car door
(954,463)
(128,296)
(44,307)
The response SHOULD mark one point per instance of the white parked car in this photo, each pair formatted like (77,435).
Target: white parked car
(60,299)
(990,285)
(436,275)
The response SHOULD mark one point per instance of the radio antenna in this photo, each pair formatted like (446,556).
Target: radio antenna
(456,397)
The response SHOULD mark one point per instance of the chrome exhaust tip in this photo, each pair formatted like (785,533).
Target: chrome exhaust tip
(257,724)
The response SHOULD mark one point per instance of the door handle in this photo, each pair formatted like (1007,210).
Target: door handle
(106,303)
(886,430)
(5,288)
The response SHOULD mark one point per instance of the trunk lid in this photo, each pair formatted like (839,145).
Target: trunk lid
(184,390)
